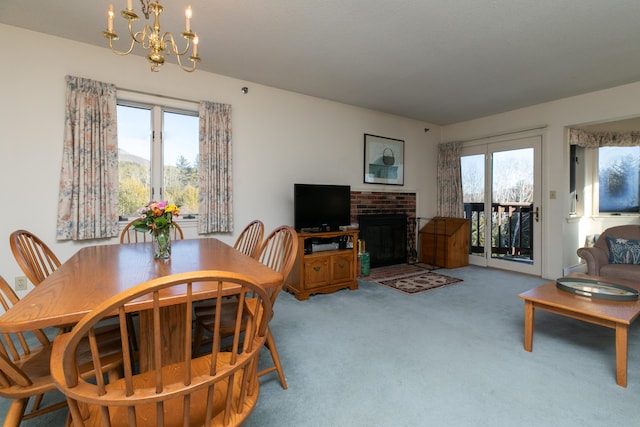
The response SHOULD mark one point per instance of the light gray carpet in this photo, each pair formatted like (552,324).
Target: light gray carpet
(449,357)
(452,356)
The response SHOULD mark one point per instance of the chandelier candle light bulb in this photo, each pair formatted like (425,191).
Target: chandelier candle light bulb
(187,14)
(110,19)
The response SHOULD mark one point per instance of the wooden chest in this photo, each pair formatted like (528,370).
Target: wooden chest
(444,242)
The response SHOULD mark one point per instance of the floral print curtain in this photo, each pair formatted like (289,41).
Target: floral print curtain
(449,181)
(216,189)
(589,139)
(88,198)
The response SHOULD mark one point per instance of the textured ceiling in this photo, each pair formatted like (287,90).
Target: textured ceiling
(440,61)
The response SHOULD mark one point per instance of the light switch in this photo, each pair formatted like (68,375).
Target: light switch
(552,194)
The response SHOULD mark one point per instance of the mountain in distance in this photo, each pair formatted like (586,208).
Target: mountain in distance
(125,156)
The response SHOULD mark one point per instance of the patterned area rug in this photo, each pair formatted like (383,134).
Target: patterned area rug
(396,271)
(419,282)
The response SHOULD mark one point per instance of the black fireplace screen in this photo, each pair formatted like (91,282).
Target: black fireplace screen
(385,238)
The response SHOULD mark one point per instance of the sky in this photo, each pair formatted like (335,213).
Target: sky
(180,134)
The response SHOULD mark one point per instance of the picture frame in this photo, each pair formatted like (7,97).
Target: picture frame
(383,160)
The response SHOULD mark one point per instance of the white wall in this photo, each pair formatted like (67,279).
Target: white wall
(561,235)
(279,137)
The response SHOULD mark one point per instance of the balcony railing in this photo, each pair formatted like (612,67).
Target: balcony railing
(511,232)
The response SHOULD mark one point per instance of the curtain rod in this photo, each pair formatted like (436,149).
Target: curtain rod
(504,134)
(139,92)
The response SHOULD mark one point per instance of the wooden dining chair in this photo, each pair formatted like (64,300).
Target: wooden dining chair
(24,366)
(131,235)
(35,258)
(215,389)
(248,243)
(278,252)
(250,239)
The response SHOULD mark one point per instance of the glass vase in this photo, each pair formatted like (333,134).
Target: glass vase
(161,244)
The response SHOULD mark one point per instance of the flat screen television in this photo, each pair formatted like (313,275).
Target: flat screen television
(320,207)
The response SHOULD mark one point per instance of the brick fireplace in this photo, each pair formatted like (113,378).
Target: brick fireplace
(388,203)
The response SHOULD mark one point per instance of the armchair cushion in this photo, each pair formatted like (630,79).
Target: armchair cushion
(623,251)
(598,257)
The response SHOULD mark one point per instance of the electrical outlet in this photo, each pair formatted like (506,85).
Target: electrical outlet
(21,283)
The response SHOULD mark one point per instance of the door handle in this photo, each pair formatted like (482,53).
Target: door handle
(537,214)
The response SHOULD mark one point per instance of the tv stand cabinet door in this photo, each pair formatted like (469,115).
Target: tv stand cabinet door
(341,268)
(316,272)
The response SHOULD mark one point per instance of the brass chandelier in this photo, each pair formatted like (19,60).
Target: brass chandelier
(150,37)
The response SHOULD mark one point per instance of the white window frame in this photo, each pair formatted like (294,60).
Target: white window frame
(157,105)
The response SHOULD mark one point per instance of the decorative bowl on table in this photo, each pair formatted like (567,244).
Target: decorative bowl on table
(597,289)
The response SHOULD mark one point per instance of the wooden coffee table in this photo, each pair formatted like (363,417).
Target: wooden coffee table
(617,315)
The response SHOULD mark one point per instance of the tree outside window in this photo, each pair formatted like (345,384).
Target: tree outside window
(619,179)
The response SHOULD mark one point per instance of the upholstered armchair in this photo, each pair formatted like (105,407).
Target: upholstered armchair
(616,253)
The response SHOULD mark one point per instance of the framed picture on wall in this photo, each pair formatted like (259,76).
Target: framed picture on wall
(383,160)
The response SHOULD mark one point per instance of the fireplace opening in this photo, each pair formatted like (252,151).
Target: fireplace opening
(385,238)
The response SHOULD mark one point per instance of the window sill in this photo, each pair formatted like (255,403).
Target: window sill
(618,215)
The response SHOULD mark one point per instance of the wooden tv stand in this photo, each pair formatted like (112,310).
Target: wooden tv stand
(324,271)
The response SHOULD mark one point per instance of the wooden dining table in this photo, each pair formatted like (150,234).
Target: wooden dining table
(96,273)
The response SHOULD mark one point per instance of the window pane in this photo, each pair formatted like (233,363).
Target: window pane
(512,196)
(181,160)
(619,172)
(134,156)
(513,176)
(472,170)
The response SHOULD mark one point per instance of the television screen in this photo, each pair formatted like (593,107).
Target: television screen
(321,207)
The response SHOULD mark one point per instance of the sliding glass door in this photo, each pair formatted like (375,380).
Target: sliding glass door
(501,186)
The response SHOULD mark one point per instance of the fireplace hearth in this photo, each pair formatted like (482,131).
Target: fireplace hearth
(385,238)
